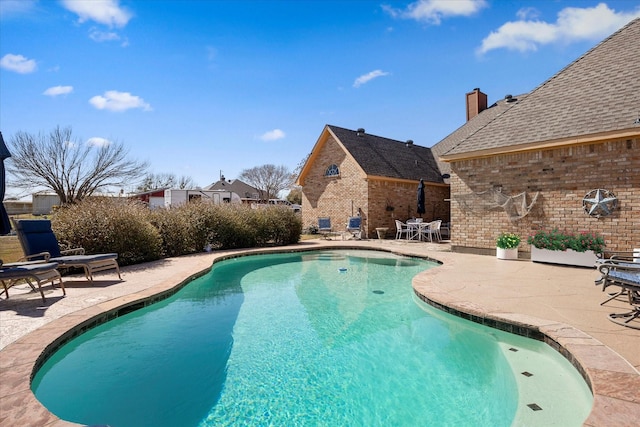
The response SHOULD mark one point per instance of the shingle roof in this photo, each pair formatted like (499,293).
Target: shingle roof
(599,92)
(471,127)
(390,158)
(241,188)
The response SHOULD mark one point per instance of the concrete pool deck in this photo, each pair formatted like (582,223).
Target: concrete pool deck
(560,303)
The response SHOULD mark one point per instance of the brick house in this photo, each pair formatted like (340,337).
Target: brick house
(577,132)
(352,172)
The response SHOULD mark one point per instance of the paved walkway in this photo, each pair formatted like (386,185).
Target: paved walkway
(561,302)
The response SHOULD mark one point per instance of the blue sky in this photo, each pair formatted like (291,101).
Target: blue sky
(198,87)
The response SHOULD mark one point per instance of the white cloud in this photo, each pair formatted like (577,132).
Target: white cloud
(118,101)
(98,142)
(107,36)
(103,36)
(528,13)
(573,24)
(16,7)
(365,78)
(58,90)
(433,11)
(107,12)
(18,63)
(273,135)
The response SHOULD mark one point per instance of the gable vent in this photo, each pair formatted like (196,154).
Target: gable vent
(360,132)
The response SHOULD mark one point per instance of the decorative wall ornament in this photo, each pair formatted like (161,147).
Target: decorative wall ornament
(599,202)
(516,207)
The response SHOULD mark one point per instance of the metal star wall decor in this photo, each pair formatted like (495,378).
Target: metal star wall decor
(599,202)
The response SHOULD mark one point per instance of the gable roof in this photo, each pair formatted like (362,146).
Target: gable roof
(241,188)
(594,97)
(389,158)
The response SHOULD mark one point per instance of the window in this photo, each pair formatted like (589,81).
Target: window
(332,171)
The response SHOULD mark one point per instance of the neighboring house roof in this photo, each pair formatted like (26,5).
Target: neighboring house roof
(244,190)
(389,158)
(594,97)
(149,192)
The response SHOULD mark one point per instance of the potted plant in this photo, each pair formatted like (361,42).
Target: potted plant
(558,247)
(507,246)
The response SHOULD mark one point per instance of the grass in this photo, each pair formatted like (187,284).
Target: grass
(10,250)
(310,236)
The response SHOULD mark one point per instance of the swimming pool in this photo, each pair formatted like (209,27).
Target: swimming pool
(315,338)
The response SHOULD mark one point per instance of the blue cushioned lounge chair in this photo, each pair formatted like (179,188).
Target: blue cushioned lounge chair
(30,272)
(39,241)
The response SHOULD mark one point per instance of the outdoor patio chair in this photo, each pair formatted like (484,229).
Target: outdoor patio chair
(402,229)
(626,276)
(325,228)
(432,231)
(354,227)
(30,271)
(38,240)
(619,258)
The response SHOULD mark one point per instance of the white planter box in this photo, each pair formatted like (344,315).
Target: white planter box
(568,257)
(507,253)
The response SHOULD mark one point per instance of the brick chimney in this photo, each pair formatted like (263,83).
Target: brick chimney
(476,103)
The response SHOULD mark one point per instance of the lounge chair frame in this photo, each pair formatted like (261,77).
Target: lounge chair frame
(625,275)
(30,271)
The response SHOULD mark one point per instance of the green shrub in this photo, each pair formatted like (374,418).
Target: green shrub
(555,240)
(508,241)
(174,229)
(138,234)
(276,225)
(103,225)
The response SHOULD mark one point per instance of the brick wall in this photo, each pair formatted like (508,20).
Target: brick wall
(337,197)
(340,197)
(562,177)
(402,196)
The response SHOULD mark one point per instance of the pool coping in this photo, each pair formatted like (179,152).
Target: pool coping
(615,384)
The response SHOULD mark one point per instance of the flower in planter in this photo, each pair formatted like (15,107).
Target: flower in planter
(559,241)
(508,241)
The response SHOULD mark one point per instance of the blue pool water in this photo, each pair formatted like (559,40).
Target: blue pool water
(332,338)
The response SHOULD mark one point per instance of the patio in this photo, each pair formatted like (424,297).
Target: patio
(561,302)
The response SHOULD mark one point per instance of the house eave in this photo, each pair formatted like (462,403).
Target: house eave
(404,181)
(545,145)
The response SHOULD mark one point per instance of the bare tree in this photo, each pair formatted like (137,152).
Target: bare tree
(186,182)
(295,195)
(71,169)
(268,179)
(165,180)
